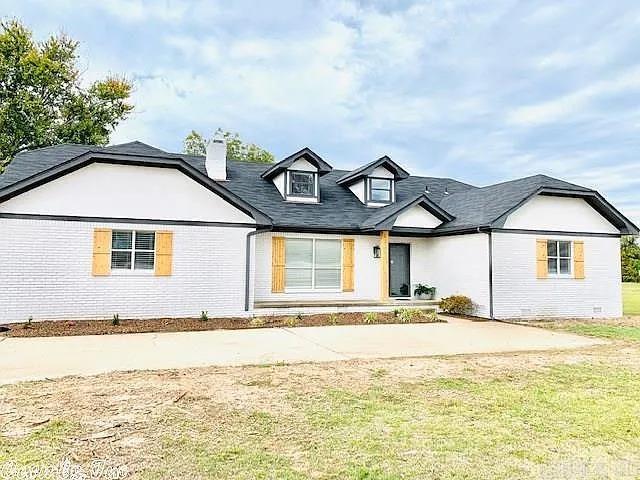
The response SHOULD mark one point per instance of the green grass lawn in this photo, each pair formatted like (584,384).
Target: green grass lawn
(631,298)
(538,415)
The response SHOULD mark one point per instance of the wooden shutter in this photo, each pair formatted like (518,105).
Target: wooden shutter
(542,267)
(578,259)
(277,264)
(164,253)
(347,265)
(101,252)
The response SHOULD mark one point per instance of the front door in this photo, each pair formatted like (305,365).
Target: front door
(399,274)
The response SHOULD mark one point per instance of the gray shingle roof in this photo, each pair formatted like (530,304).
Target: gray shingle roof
(339,209)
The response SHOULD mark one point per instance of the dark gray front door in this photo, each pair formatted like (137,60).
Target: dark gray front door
(399,275)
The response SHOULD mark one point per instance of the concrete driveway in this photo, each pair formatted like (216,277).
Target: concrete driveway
(40,358)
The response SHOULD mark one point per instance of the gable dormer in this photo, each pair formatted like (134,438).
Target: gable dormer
(375,183)
(297,177)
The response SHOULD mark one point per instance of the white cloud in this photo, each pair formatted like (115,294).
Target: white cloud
(564,107)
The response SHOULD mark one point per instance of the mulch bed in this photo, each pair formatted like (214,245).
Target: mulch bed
(105,327)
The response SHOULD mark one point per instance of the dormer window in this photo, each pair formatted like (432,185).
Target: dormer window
(375,183)
(380,190)
(297,177)
(302,184)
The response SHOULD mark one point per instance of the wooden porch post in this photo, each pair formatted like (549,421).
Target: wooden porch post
(384,266)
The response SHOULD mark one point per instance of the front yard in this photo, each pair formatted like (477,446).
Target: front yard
(631,298)
(560,415)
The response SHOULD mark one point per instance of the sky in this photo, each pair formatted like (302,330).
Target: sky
(482,91)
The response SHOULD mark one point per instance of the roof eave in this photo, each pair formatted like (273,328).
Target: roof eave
(424,201)
(597,201)
(399,174)
(140,160)
(322,166)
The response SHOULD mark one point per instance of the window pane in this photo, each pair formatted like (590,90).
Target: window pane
(299,252)
(143,261)
(381,184)
(328,253)
(121,260)
(302,183)
(121,240)
(328,278)
(381,195)
(565,249)
(564,265)
(145,240)
(552,249)
(298,277)
(553,265)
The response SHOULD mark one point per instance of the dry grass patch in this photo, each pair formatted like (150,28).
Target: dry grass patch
(475,417)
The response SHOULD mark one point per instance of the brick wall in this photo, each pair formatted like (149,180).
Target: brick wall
(518,293)
(45,267)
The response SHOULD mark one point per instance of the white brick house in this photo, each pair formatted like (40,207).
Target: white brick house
(130,229)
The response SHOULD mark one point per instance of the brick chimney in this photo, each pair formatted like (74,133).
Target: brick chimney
(216,160)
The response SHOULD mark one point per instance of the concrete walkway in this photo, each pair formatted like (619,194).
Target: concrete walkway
(40,358)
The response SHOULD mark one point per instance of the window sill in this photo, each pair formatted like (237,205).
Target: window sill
(132,273)
(313,290)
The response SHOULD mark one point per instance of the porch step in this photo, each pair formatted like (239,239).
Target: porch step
(345,303)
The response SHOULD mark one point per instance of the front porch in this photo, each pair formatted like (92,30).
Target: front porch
(339,306)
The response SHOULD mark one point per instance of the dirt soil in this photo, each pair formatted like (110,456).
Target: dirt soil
(105,327)
(126,415)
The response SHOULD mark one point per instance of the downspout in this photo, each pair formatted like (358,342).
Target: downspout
(490,275)
(487,230)
(247,263)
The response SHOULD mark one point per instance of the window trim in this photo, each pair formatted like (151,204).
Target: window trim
(132,270)
(369,188)
(289,189)
(558,257)
(313,288)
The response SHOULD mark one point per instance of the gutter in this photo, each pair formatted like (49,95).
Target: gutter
(247,263)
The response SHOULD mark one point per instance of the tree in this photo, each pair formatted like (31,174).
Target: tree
(630,254)
(195,144)
(42,100)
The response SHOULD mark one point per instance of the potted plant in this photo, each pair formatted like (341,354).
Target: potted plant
(424,292)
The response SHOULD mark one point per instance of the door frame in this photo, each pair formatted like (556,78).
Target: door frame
(408,268)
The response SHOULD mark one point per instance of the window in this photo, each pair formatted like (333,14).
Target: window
(559,257)
(132,250)
(313,263)
(302,184)
(380,190)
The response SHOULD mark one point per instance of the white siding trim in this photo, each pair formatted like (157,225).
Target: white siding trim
(126,191)
(544,212)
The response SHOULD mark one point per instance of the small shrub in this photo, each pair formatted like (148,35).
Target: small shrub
(299,317)
(396,312)
(430,316)
(457,305)
(370,317)
(257,322)
(115,321)
(292,321)
(29,323)
(333,319)
(204,316)
(408,315)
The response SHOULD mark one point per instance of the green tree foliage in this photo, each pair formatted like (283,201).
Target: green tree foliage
(42,100)
(630,253)
(195,144)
